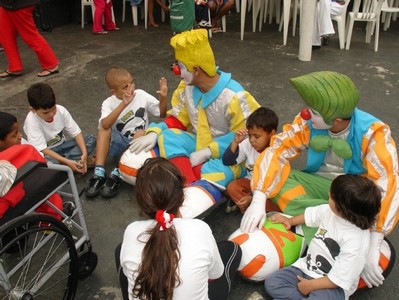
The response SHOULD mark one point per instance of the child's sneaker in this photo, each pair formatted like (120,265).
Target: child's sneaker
(95,184)
(230,206)
(204,24)
(255,296)
(69,208)
(111,186)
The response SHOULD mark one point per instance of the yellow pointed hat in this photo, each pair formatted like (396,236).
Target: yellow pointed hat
(331,94)
(192,48)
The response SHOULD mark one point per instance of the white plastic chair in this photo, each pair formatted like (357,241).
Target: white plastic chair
(370,13)
(255,10)
(341,20)
(90,3)
(388,8)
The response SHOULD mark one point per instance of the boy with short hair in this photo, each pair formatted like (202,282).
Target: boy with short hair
(9,131)
(52,130)
(247,145)
(124,117)
(337,253)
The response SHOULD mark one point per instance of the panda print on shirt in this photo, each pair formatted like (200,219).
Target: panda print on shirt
(321,263)
(132,121)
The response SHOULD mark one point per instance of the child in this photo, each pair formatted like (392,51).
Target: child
(123,118)
(337,253)
(247,145)
(167,257)
(51,129)
(17,155)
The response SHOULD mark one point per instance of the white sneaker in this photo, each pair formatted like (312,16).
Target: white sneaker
(255,296)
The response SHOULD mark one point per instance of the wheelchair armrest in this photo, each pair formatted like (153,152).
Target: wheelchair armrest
(27,169)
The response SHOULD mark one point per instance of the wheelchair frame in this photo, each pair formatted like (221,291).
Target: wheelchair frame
(40,256)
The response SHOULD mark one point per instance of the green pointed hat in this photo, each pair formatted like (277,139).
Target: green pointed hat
(331,94)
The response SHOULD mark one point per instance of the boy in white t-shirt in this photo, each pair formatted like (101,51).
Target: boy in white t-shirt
(337,253)
(124,117)
(50,128)
(248,143)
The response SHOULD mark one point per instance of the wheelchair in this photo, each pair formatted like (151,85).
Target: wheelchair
(42,257)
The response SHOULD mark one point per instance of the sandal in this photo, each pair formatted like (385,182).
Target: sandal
(6,74)
(100,32)
(216,29)
(47,72)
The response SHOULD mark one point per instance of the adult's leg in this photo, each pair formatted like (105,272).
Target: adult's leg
(325,23)
(8,34)
(219,13)
(231,256)
(122,278)
(23,22)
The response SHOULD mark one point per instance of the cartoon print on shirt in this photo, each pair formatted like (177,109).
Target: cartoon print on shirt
(321,264)
(136,120)
(250,168)
(58,139)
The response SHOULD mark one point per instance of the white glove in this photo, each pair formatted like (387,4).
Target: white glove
(372,272)
(255,215)
(200,156)
(145,143)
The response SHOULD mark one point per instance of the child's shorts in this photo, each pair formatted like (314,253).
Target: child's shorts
(119,143)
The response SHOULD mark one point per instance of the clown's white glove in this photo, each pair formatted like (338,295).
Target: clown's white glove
(255,215)
(372,272)
(200,156)
(145,143)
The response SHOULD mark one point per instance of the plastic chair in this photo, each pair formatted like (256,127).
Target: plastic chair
(285,15)
(341,20)
(370,13)
(90,3)
(134,13)
(256,4)
(388,8)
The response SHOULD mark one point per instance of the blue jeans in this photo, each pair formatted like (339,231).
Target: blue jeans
(119,143)
(282,284)
(70,149)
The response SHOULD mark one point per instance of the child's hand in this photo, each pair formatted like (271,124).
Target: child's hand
(163,87)
(278,218)
(76,166)
(243,203)
(129,95)
(240,135)
(83,163)
(304,286)
(137,134)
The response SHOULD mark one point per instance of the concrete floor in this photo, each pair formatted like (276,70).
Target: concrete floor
(260,63)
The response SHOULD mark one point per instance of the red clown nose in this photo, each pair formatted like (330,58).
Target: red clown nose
(305,114)
(175,69)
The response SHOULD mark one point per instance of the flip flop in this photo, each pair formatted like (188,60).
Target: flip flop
(6,74)
(47,72)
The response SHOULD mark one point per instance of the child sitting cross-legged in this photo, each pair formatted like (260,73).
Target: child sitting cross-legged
(337,253)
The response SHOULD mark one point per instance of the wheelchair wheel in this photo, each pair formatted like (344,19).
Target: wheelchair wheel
(38,259)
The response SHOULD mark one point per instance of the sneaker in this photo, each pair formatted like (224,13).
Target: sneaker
(111,186)
(95,184)
(230,206)
(255,296)
(325,40)
(204,24)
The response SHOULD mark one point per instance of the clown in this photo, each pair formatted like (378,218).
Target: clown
(207,108)
(339,139)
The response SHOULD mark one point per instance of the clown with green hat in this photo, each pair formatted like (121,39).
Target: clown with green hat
(338,138)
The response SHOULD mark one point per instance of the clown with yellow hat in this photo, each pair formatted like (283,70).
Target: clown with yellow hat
(338,138)
(208,107)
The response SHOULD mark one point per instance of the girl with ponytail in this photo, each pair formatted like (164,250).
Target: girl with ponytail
(167,257)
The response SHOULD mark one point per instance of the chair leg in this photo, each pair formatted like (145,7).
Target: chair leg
(341,32)
(243,10)
(349,34)
(82,21)
(134,15)
(145,14)
(123,10)
(224,23)
(377,34)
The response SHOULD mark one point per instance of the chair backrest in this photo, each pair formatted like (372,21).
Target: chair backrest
(370,9)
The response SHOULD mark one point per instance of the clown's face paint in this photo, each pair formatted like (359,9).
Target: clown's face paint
(185,74)
(318,121)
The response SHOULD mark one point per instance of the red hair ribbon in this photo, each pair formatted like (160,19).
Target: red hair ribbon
(164,219)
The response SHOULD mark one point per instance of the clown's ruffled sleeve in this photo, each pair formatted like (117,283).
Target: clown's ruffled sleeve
(272,167)
(177,116)
(239,108)
(381,163)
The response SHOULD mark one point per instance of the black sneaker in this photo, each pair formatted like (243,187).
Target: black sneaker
(69,208)
(95,184)
(325,40)
(230,206)
(111,186)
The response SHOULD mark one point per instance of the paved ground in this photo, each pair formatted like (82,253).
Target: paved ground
(260,63)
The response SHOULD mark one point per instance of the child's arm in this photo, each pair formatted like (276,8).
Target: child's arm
(74,165)
(306,286)
(238,138)
(109,120)
(163,94)
(80,141)
(288,222)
